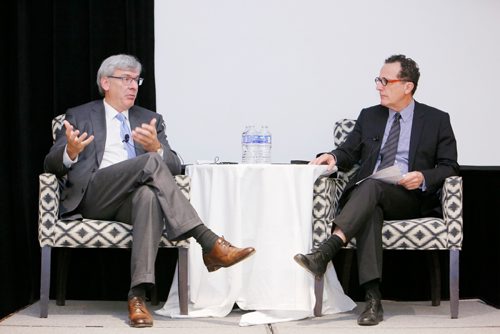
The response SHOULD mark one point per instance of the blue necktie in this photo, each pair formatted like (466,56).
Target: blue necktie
(388,152)
(126,135)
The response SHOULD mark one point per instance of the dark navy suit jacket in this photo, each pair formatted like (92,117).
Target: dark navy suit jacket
(433,148)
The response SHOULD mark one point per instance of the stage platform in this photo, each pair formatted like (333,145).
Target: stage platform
(110,317)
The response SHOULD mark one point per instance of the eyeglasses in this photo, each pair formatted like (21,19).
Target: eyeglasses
(385,81)
(128,80)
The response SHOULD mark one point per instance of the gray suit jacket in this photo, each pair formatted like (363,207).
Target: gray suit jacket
(90,118)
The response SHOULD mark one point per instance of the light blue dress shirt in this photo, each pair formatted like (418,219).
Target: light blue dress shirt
(404,136)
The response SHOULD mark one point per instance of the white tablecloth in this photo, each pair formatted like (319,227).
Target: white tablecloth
(268,207)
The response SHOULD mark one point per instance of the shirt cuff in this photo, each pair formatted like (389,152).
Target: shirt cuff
(67,160)
(423,187)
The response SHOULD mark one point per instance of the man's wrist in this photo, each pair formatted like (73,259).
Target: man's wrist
(67,160)
(160,151)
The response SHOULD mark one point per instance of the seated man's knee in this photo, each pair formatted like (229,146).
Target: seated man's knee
(144,193)
(153,161)
(370,184)
(154,157)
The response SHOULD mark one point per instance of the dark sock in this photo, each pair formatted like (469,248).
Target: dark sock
(372,288)
(204,236)
(139,290)
(331,246)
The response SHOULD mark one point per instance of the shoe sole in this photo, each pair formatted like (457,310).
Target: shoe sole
(211,269)
(379,320)
(139,325)
(298,259)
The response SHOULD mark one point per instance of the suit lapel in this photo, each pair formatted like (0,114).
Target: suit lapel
(416,132)
(98,119)
(379,123)
(373,127)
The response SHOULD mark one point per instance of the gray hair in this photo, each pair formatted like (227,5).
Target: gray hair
(110,64)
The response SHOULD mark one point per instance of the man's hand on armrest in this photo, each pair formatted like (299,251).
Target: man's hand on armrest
(325,159)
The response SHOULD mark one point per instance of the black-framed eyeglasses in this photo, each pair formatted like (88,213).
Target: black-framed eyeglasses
(128,80)
(385,81)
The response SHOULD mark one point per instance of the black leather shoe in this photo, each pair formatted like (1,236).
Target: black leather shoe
(373,313)
(315,263)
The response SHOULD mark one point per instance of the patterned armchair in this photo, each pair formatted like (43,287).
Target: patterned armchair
(414,234)
(88,233)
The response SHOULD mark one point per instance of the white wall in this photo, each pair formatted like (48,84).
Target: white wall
(299,65)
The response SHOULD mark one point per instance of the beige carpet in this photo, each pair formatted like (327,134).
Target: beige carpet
(89,317)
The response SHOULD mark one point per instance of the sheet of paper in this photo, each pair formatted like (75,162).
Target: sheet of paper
(390,174)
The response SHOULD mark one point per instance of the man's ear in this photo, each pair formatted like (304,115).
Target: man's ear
(105,83)
(409,87)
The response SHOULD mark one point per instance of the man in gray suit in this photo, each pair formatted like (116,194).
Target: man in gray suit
(119,166)
(399,131)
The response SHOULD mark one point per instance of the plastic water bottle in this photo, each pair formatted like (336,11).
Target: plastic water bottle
(248,137)
(256,145)
(264,145)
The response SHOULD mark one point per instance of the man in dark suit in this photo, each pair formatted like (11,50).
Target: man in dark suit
(400,131)
(114,173)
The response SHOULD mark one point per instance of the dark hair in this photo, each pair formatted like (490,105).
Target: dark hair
(409,69)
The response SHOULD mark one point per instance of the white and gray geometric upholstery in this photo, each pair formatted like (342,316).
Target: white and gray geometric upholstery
(87,233)
(428,233)
(322,209)
(412,234)
(90,233)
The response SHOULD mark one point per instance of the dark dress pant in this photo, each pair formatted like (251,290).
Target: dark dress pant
(366,207)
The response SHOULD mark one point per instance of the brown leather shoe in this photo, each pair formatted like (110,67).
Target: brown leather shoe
(138,313)
(223,254)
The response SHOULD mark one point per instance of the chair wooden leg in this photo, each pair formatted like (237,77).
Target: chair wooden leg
(183,280)
(45,281)
(435,276)
(454,281)
(63,257)
(319,285)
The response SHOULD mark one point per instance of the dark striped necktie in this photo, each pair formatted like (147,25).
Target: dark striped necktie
(388,152)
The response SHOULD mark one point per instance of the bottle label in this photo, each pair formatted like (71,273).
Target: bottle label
(256,139)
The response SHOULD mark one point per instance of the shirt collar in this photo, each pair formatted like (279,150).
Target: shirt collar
(112,112)
(406,113)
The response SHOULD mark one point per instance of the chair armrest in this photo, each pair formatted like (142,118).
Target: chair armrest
(452,210)
(326,196)
(338,188)
(48,208)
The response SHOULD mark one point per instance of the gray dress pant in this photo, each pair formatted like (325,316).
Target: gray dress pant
(141,192)
(362,216)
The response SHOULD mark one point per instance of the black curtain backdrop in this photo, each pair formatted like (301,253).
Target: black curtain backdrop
(51,51)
